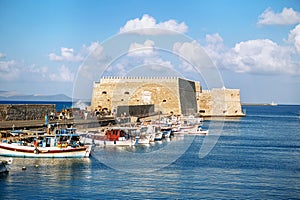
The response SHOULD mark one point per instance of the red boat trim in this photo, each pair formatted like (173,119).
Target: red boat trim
(62,150)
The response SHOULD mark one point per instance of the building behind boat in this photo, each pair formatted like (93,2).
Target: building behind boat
(166,95)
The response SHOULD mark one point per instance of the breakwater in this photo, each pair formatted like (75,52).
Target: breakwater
(10,112)
(40,124)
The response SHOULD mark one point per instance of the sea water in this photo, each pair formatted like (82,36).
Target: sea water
(256,157)
(59,105)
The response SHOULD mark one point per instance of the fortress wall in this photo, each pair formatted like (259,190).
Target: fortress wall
(111,92)
(168,94)
(205,102)
(220,102)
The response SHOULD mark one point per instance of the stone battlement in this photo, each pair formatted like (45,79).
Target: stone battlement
(138,77)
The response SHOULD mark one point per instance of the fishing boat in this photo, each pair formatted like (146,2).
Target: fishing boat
(158,136)
(198,131)
(144,139)
(191,130)
(61,145)
(166,133)
(111,137)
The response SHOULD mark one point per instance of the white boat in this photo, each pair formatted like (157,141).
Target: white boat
(19,150)
(192,130)
(142,140)
(158,136)
(198,131)
(166,134)
(273,104)
(185,129)
(61,145)
(111,137)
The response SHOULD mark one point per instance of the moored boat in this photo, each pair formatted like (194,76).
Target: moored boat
(192,130)
(198,131)
(111,137)
(142,140)
(60,145)
(158,136)
(166,133)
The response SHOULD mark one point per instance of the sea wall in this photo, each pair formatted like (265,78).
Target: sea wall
(10,112)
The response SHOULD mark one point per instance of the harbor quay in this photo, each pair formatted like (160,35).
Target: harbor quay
(40,124)
(44,116)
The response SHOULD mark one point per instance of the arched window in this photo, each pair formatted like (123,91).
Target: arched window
(104,92)
(164,101)
(126,92)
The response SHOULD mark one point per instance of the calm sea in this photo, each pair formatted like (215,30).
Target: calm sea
(256,157)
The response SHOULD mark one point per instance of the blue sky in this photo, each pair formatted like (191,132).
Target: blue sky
(254,44)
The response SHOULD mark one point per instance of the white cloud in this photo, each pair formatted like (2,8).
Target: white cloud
(147,25)
(157,61)
(9,70)
(288,16)
(192,56)
(253,56)
(140,60)
(262,55)
(145,49)
(67,54)
(64,75)
(39,71)
(2,55)
(95,50)
(294,37)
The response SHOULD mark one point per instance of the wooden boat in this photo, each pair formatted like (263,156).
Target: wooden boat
(192,130)
(158,136)
(142,139)
(111,137)
(198,131)
(60,145)
(166,133)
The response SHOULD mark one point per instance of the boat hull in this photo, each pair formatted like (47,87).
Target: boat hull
(96,142)
(13,150)
(193,131)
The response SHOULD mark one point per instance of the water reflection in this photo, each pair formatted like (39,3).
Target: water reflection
(43,175)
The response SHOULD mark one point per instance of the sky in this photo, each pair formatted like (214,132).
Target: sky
(254,44)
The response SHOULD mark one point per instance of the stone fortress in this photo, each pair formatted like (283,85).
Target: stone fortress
(166,95)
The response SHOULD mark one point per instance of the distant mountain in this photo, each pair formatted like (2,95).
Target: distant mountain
(11,96)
